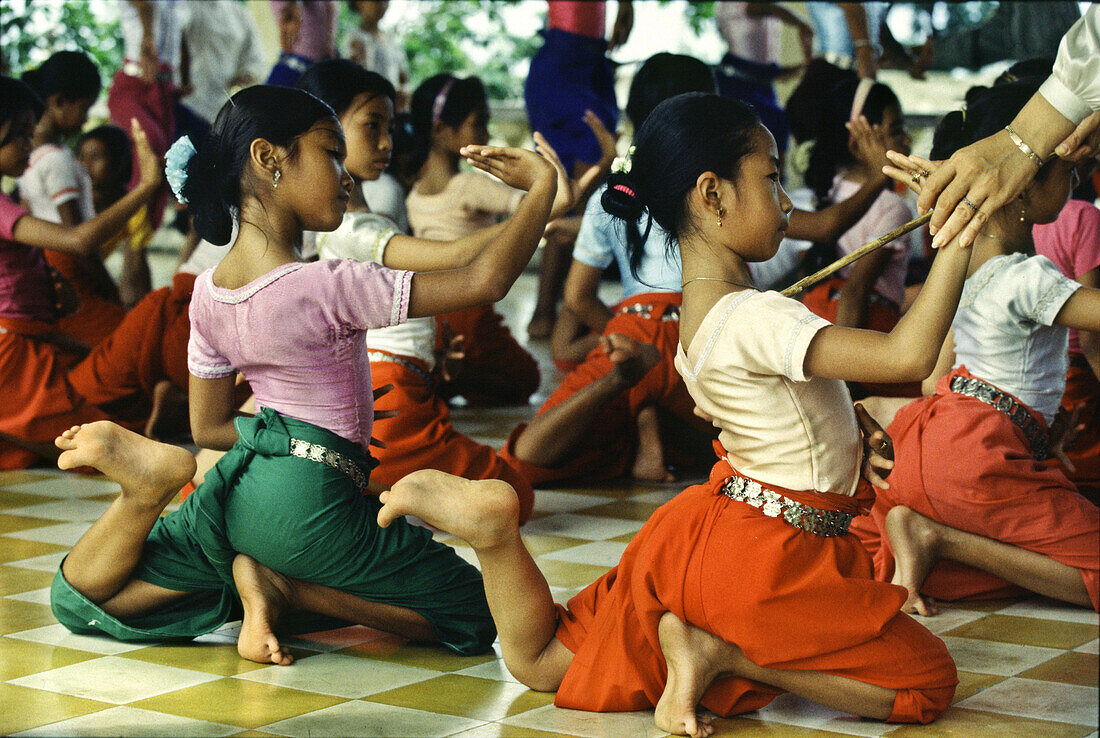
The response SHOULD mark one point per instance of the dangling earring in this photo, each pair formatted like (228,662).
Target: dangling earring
(275,179)
(1023,208)
(720,211)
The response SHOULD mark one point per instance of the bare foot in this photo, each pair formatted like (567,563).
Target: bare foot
(168,417)
(914,539)
(692,656)
(149,472)
(265,595)
(480,512)
(649,459)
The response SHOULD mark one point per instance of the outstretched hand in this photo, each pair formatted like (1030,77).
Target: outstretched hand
(571,191)
(517,168)
(878,449)
(867,142)
(150,164)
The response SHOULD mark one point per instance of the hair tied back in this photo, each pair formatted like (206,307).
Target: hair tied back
(176,161)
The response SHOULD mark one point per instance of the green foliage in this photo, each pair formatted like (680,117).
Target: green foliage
(31,30)
(467,37)
(699,14)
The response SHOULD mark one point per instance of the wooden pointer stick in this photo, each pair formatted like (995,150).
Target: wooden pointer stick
(802,284)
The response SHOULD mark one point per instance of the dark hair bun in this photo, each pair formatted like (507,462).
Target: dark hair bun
(621,198)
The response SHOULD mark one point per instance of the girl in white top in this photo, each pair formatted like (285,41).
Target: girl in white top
(970,486)
(719,599)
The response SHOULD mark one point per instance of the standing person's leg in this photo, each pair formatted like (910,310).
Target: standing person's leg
(485,514)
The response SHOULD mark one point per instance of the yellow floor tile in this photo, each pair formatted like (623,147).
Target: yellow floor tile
(16,615)
(498,730)
(982,605)
(625,509)
(465,696)
(14,579)
(11,478)
(212,658)
(970,723)
(739,726)
(568,574)
(540,544)
(970,683)
(240,702)
(394,650)
(36,708)
(19,658)
(252,734)
(11,499)
(14,549)
(1027,631)
(1069,668)
(13,523)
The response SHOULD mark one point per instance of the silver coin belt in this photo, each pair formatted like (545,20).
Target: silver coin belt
(671,314)
(1006,404)
(373,356)
(328,457)
(823,523)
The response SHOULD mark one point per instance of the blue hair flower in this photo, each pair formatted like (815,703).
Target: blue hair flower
(175,169)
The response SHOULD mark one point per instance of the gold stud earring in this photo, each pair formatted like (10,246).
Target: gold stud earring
(275,179)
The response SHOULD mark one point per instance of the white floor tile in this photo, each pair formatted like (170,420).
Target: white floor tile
(787,709)
(495,670)
(339,675)
(659,496)
(588,527)
(130,721)
(59,635)
(589,724)
(370,719)
(47,562)
(549,501)
(37,596)
(993,657)
(76,510)
(1092,646)
(1063,703)
(1051,610)
(65,534)
(949,619)
(113,679)
(599,553)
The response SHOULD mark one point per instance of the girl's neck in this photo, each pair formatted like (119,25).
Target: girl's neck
(440,167)
(1004,233)
(45,132)
(358,203)
(710,271)
(267,239)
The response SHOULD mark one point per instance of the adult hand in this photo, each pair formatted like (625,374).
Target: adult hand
(1082,143)
(977,181)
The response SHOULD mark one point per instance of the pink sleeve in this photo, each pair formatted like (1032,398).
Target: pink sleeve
(886,213)
(10,213)
(487,194)
(365,295)
(203,361)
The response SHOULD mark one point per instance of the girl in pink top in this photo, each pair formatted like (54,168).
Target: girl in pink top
(37,397)
(281,522)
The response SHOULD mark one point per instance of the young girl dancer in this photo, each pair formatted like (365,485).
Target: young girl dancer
(596,429)
(39,394)
(421,435)
(971,507)
(446,203)
(869,293)
(56,188)
(288,495)
(748,585)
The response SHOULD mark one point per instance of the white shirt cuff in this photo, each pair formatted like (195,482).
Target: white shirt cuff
(1064,101)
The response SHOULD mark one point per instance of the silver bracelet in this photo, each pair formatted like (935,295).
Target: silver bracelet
(1022,146)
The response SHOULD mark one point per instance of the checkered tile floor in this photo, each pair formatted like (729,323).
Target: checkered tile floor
(1027,668)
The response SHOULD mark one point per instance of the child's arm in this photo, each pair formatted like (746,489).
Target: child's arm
(851,309)
(581,295)
(212,412)
(490,275)
(829,224)
(944,364)
(85,238)
(427,255)
(1081,311)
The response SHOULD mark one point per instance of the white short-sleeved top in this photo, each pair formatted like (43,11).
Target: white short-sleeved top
(55,177)
(1005,332)
(364,237)
(471,201)
(778,425)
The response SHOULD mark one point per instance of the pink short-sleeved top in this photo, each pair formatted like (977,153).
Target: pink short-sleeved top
(298,334)
(1072,242)
(886,213)
(778,425)
(26,291)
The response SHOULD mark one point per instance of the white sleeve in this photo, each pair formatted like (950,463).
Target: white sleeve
(1039,290)
(770,335)
(1074,87)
